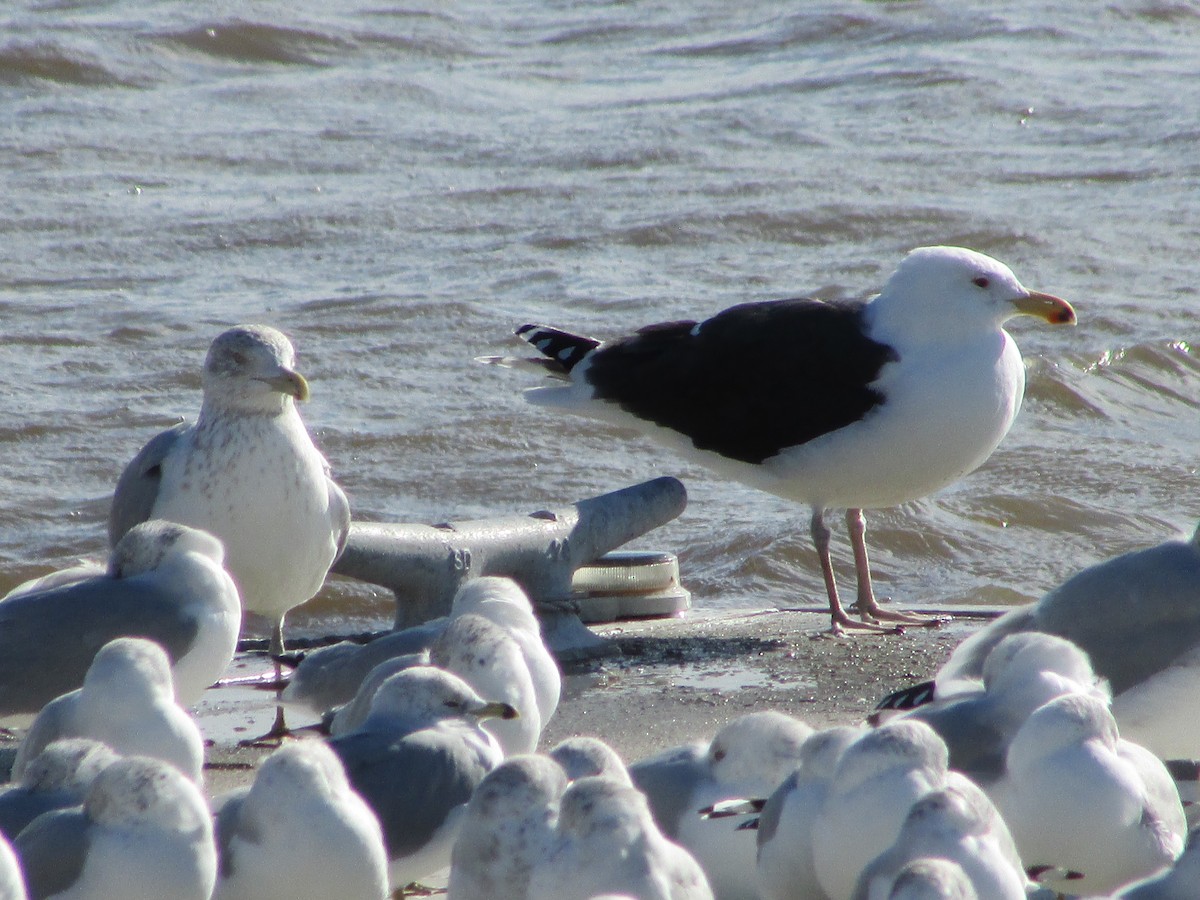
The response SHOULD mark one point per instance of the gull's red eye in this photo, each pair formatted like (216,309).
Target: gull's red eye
(981,281)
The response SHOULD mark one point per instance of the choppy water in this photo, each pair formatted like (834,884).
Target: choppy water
(397,185)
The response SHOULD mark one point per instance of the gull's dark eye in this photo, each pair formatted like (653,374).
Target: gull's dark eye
(981,281)
(453,704)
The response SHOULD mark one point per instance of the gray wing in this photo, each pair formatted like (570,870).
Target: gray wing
(228,822)
(412,783)
(967,659)
(48,639)
(339,512)
(668,779)
(19,806)
(1133,614)
(330,676)
(977,744)
(52,850)
(137,488)
(772,811)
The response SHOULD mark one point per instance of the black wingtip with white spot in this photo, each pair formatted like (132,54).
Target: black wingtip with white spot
(908,698)
(564,348)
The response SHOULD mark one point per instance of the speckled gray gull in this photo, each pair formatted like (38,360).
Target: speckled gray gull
(12,881)
(1137,616)
(164,582)
(878,779)
(56,778)
(584,755)
(144,832)
(957,823)
(485,656)
(977,720)
(843,404)
(127,701)
(1078,798)
(508,828)
(329,677)
(299,831)
(248,472)
(607,843)
(785,868)
(416,760)
(748,757)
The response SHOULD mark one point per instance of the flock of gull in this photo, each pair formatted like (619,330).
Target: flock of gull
(1048,757)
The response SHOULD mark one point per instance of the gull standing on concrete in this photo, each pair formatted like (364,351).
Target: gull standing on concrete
(143,833)
(299,831)
(128,702)
(748,757)
(165,582)
(416,760)
(248,472)
(843,404)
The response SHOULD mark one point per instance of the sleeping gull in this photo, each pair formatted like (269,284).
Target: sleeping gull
(346,718)
(416,759)
(507,829)
(932,878)
(977,720)
(165,582)
(748,757)
(299,831)
(485,656)
(247,471)
(329,677)
(128,702)
(607,843)
(143,833)
(583,756)
(1137,616)
(785,856)
(839,404)
(1078,798)
(58,777)
(876,782)
(959,824)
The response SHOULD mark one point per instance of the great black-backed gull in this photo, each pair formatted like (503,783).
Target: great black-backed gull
(835,404)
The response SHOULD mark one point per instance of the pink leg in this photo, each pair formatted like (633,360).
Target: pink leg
(866,605)
(840,620)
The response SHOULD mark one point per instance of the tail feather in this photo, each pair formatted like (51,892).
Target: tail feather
(561,348)
(908,698)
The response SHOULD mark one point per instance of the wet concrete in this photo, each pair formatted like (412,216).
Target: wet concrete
(668,681)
